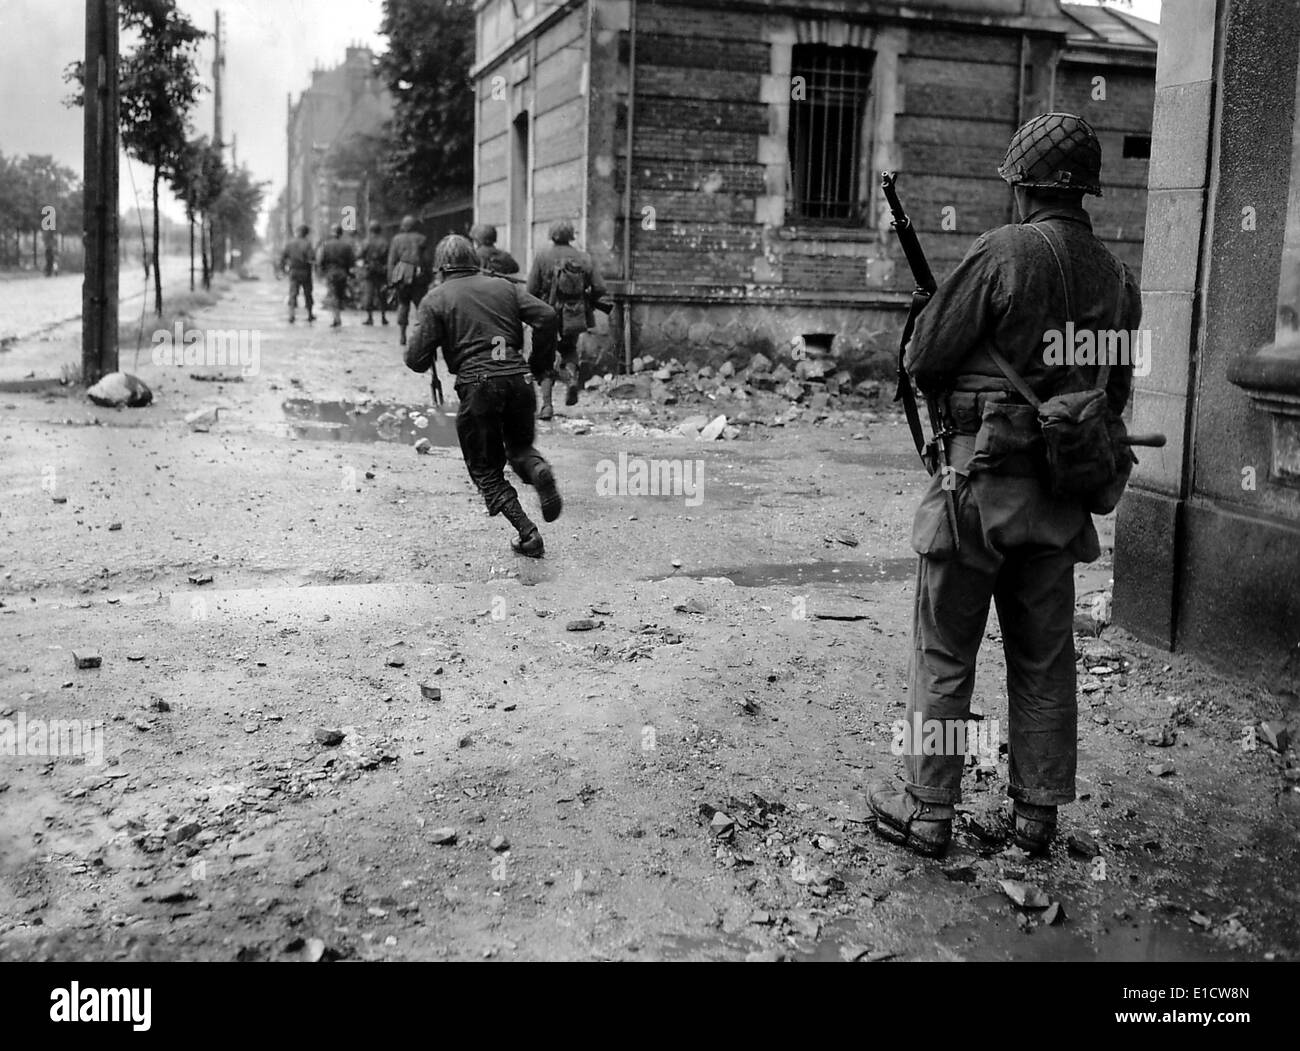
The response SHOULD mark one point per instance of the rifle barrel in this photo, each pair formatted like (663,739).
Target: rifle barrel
(1154,441)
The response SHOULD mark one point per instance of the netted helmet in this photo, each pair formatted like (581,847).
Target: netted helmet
(455,252)
(484,233)
(1056,151)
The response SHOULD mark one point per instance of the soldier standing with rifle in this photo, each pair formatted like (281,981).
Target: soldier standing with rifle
(1007,512)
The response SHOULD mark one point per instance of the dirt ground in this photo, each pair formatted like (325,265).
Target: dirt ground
(748,654)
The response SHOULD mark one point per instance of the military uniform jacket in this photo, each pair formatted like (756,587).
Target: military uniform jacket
(297,256)
(1008,294)
(336,256)
(478,321)
(496,260)
(374,256)
(408,258)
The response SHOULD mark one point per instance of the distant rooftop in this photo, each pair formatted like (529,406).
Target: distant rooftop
(1092,25)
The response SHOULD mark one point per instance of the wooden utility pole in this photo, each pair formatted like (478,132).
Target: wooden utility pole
(217,236)
(99,287)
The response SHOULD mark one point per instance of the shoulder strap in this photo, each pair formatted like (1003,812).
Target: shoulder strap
(1062,258)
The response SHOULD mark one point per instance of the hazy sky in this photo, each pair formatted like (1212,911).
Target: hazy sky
(271,48)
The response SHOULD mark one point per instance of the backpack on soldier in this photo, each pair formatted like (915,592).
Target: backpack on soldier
(569,296)
(1087,459)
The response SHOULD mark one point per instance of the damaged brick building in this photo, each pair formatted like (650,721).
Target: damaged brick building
(721,158)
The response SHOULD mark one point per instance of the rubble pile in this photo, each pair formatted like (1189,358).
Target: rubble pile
(761,394)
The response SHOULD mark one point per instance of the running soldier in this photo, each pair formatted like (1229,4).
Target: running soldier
(567,278)
(1016,543)
(491,258)
(374,273)
(478,321)
(335,260)
(408,269)
(296,260)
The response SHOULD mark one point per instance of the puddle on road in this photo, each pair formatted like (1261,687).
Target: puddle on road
(764,575)
(368,421)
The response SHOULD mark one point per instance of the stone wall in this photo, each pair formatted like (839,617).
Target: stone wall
(1207,552)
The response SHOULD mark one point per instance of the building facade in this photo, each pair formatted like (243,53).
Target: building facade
(1207,554)
(721,158)
(341,102)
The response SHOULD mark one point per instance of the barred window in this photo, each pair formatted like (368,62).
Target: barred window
(829,89)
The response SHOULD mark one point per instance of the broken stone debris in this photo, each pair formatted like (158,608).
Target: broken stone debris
(1276,735)
(87,659)
(1026,895)
(201,420)
(119,389)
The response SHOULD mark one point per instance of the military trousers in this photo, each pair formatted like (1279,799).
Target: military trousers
(300,279)
(1018,548)
(409,293)
(495,424)
(566,364)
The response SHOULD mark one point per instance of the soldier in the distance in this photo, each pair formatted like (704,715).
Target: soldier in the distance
(567,278)
(408,270)
(296,261)
(491,258)
(335,259)
(374,266)
(478,321)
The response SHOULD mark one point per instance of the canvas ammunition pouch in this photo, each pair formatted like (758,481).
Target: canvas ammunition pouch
(1081,437)
(569,297)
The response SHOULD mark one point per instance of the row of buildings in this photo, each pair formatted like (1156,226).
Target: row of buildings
(325,129)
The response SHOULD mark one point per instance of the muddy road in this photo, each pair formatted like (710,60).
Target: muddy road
(341,720)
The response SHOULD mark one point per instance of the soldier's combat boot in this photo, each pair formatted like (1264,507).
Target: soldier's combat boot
(370,318)
(903,819)
(291,317)
(401,335)
(547,410)
(1034,827)
(548,492)
(383,318)
(571,385)
(529,542)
